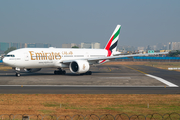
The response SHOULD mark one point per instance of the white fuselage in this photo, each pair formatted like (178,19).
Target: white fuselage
(49,57)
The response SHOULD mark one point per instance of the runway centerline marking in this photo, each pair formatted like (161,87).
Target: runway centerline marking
(136,70)
(155,77)
(109,69)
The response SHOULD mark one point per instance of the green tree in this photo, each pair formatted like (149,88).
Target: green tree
(174,53)
(9,50)
(75,47)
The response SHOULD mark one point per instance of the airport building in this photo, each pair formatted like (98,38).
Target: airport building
(5,45)
(140,48)
(86,45)
(173,46)
(69,45)
(37,45)
(95,45)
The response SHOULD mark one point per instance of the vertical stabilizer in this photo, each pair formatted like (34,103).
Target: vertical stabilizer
(112,43)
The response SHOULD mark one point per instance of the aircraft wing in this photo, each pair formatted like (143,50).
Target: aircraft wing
(113,57)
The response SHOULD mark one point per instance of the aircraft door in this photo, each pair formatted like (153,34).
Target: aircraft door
(26,57)
(87,54)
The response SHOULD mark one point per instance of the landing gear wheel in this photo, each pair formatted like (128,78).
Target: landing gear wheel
(18,74)
(17,71)
(55,72)
(88,73)
(60,72)
(63,72)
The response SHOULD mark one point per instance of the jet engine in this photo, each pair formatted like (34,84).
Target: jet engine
(79,66)
(32,70)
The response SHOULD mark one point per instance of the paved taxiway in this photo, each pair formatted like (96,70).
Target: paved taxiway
(104,80)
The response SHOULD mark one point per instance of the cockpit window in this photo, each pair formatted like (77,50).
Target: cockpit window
(9,55)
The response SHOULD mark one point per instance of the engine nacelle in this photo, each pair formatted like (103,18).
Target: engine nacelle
(79,66)
(32,70)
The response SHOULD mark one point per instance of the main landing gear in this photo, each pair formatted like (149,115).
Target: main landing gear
(17,72)
(60,72)
(87,73)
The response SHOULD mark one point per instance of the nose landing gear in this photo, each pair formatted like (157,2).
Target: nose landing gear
(17,72)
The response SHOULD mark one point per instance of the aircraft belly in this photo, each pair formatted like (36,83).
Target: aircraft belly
(34,64)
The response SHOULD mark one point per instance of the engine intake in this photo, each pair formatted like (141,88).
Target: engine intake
(79,66)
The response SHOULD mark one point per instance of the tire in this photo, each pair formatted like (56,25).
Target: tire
(18,74)
(63,72)
(89,73)
(60,72)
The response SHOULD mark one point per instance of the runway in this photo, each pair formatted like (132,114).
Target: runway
(104,80)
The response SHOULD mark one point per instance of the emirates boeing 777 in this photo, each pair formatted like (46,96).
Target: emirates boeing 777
(77,60)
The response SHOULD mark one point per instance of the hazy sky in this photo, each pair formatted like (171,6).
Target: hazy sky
(144,22)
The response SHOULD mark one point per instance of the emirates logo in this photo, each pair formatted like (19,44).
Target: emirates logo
(84,66)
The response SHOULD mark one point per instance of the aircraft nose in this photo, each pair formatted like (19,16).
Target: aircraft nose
(5,60)
(8,62)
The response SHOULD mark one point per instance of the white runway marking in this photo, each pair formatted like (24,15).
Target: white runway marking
(135,86)
(115,77)
(162,80)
